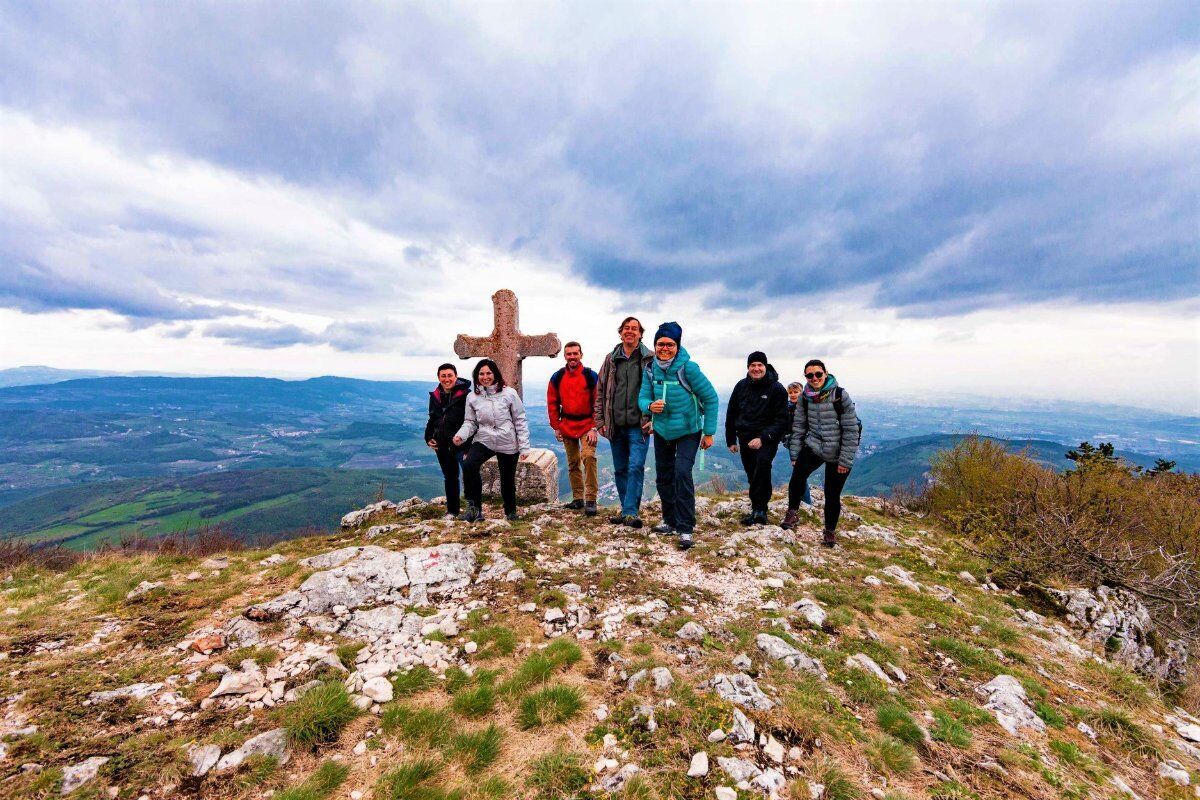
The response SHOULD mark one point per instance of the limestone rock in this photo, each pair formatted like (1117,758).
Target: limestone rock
(739,769)
(902,576)
(779,650)
(77,775)
(691,632)
(136,691)
(740,689)
(271,743)
(1120,624)
(743,728)
(537,477)
(356,518)
(699,766)
(378,689)
(811,611)
(143,588)
(867,664)
(1006,698)
(203,758)
(244,681)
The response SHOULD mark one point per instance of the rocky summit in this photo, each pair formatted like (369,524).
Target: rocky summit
(414,657)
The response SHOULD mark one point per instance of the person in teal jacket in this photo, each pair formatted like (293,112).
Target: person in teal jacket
(683,405)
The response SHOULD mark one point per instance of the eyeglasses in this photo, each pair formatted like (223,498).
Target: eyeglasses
(667,345)
(813,375)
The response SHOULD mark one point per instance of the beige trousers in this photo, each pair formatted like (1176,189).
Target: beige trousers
(581,467)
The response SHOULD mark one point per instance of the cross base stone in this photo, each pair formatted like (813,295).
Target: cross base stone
(537,477)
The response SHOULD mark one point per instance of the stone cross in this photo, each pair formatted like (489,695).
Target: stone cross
(507,346)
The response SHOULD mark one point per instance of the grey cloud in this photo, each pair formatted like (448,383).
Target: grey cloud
(345,336)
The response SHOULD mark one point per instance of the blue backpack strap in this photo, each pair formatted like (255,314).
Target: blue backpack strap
(590,377)
(556,378)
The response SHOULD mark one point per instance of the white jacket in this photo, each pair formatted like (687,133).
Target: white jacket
(496,420)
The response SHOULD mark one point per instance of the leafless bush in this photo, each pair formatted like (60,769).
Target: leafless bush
(203,541)
(1099,524)
(52,557)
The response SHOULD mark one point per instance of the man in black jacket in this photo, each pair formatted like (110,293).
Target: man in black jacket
(447,407)
(755,422)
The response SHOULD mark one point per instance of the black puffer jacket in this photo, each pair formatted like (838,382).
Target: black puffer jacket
(757,408)
(446,413)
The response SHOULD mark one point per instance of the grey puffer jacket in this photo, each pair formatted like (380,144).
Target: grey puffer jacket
(818,427)
(496,420)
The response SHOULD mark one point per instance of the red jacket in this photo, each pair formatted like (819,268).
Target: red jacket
(570,397)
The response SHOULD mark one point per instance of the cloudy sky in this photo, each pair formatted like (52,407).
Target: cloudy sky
(978,197)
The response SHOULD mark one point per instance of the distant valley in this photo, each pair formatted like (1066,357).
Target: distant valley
(89,460)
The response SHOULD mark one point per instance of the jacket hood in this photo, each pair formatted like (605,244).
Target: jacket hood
(642,350)
(461,383)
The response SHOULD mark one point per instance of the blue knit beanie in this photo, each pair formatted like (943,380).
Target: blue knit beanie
(671,330)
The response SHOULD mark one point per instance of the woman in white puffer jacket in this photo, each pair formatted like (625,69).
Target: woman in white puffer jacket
(496,426)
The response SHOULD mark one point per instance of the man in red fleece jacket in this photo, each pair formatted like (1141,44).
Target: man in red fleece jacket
(570,398)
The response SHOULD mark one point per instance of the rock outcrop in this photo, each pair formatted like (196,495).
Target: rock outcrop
(537,477)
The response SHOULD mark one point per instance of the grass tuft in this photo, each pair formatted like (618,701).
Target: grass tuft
(415,681)
(478,750)
(327,777)
(476,702)
(319,715)
(493,642)
(890,755)
(549,706)
(949,730)
(408,782)
(895,720)
(1119,724)
(428,726)
(557,775)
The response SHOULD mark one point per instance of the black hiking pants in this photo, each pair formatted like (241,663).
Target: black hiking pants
(473,484)
(757,464)
(835,481)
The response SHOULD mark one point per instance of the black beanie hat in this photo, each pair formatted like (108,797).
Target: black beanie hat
(757,355)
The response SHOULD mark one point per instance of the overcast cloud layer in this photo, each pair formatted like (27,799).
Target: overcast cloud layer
(316,175)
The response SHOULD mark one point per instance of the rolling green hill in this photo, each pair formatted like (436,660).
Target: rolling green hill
(248,503)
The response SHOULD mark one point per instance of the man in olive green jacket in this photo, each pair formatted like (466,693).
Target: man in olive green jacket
(618,418)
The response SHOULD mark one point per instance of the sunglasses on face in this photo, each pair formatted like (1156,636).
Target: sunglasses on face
(814,375)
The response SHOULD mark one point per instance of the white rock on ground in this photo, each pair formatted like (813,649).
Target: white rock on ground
(1174,771)
(1006,698)
(691,632)
(867,664)
(249,679)
(779,650)
(662,678)
(145,587)
(739,769)
(271,743)
(726,793)
(902,576)
(378,689)
(136,691)
(740,689)
(743,728)
(77,775)
(811,611)
(203,758)
(699,766)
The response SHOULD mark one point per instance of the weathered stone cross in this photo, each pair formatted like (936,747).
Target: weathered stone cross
(507,346)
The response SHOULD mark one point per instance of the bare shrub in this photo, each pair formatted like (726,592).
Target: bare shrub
(52,557)
(1101,523)
(203,541)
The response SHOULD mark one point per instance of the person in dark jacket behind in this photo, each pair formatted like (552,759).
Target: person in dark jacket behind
(447,405)
(794,389)
(754,425)
(826,431)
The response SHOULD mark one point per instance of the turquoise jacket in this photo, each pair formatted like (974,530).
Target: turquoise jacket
(686,412)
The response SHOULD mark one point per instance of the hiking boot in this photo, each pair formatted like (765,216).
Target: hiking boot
(574,505)
(750,518)
(512,516)
(685,540)
(472,514)
(790,519)
(617,519)
(589,508)
(631,522)
(663,527)
(760,518)
(828,539)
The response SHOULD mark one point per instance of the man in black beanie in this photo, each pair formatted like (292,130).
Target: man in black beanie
(755,422)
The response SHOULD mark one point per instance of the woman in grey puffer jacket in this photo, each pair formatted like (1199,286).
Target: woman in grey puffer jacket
(495,419)
(825,431)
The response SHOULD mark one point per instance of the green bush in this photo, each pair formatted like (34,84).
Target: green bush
(319,715)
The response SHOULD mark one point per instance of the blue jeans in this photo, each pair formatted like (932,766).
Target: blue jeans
(673,462)
(629,447)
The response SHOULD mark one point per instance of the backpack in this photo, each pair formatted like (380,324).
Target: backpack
(683,381)
(838,408)
(589,375)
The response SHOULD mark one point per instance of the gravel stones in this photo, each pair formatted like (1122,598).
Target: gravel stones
(378,689)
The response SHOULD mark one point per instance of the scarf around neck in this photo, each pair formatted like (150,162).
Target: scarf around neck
(822,395)
(664,365)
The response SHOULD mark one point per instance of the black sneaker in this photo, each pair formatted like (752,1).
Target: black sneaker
(574,505)
(472,514)
(663,527)
(760,518)
(632,522)
(685,540)
(750,518)
(617,519)
(589,508)
(512,517)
